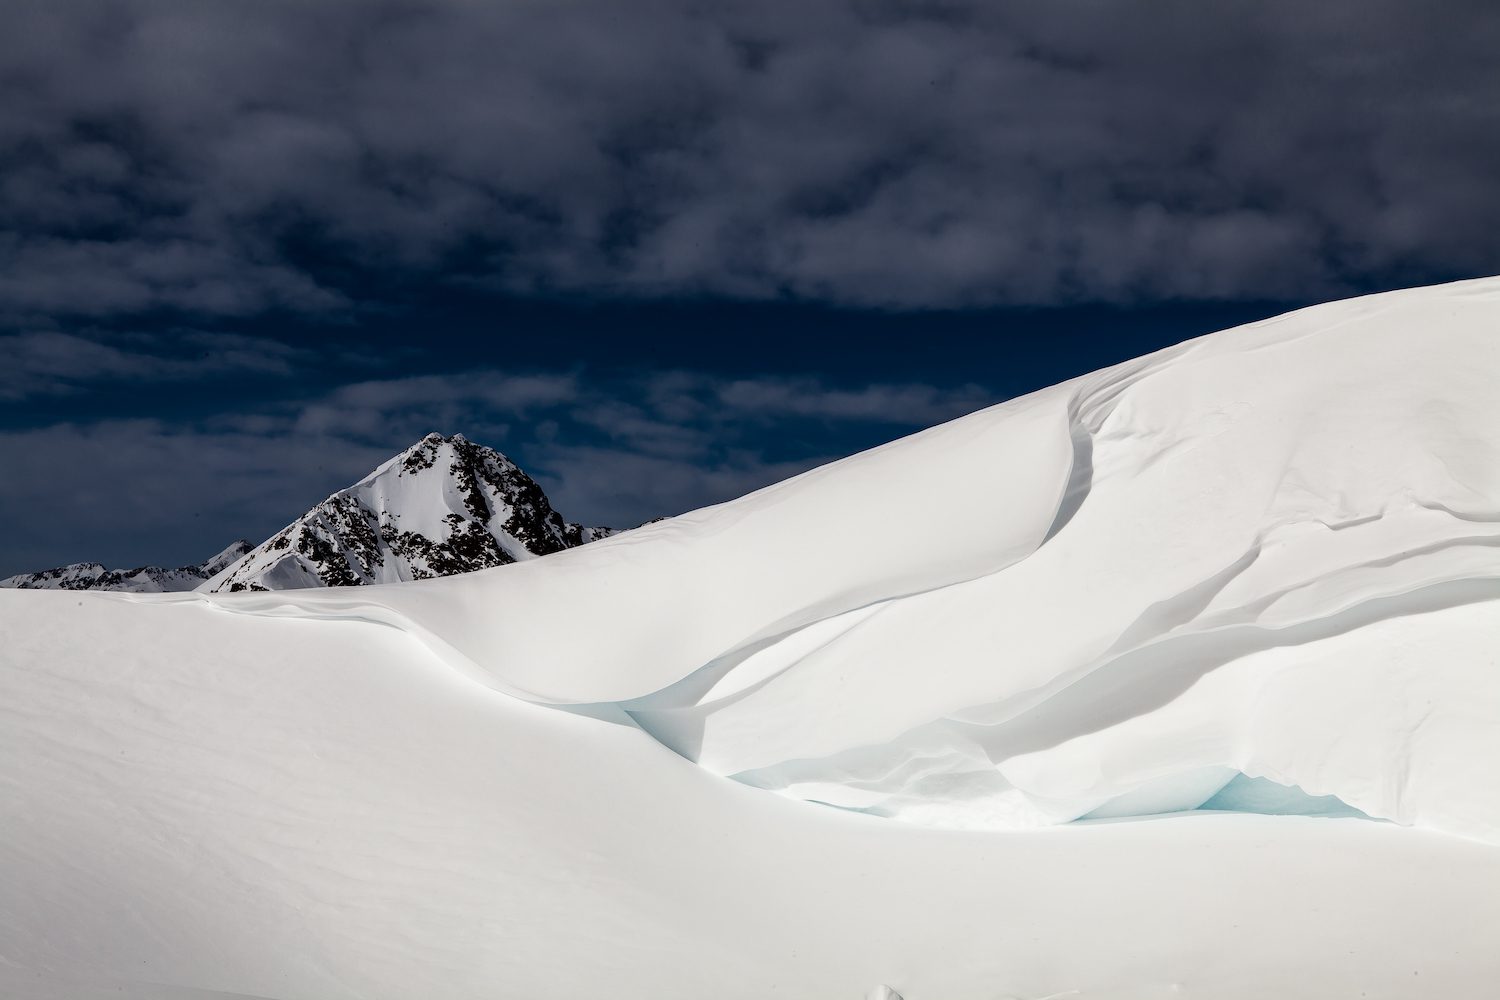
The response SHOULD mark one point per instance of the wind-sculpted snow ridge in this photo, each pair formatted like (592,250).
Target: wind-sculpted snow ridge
(1270,553)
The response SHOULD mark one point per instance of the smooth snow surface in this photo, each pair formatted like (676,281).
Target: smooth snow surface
(1258,573)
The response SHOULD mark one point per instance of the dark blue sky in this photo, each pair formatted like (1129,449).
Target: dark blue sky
(248,250)
(163,446)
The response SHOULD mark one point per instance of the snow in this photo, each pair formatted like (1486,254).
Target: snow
(298,808)
(1178,679)
(442,506)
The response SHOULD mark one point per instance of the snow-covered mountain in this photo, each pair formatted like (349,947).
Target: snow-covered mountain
(142,580)
(1175,681)
(443,506)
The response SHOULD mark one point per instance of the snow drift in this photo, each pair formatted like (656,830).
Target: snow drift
(1271,552)
(1254,575)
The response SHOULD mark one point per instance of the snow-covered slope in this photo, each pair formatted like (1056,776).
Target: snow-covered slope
(144,580)
(1244,593)
(443,506)
(1122,593)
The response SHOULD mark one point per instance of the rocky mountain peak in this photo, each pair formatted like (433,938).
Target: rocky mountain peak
(445,505)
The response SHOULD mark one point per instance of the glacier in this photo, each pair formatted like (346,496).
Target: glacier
(1176,679)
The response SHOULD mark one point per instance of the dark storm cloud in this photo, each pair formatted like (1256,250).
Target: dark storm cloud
(51,363)
(229,157)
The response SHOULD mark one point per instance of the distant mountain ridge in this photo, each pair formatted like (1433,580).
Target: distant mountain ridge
(141,580)
(443,506)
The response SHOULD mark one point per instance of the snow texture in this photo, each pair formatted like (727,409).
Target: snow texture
(1179,679)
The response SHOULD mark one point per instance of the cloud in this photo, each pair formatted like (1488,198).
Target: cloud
(613,451)
(418,404)
(619,451)
(50,275)
(910,405)
(53,363)
(129,492)
(624,488)
(241,156)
